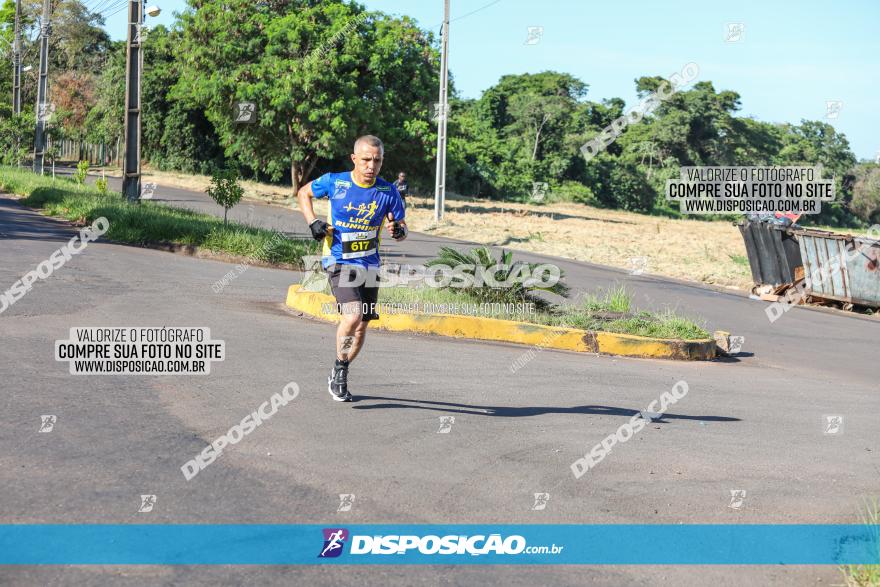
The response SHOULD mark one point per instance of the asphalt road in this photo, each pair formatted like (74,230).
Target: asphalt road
(752,423)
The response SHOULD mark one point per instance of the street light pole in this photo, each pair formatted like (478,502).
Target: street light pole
(16,62)
(42,110)
(440,183)
(131,162)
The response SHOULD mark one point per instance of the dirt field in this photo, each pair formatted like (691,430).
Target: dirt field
(708,252)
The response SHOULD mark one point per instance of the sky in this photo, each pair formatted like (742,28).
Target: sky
(786,59)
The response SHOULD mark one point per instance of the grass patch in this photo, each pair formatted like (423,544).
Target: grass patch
(437,296)
(741,260)
(609,311)
(151,223)
(518,287)
(613,300)
(665,324)
(865,575)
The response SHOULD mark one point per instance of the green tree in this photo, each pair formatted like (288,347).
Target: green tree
(104,122)
(78,41)
(78,47)
(815,143)
(16,137)
(7,28)
(693,126)
(225,190)
(404,63)
(698,127)
(866,192)
(175,136)
(520,131)
(320,74)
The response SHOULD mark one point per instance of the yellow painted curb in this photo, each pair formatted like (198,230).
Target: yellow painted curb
(570,339)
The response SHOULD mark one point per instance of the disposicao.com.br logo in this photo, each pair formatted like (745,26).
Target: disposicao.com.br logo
(334,540)
(476,545)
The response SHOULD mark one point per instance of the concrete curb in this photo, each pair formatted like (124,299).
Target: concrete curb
(570,339)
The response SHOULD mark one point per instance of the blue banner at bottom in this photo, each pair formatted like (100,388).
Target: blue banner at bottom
(619,544)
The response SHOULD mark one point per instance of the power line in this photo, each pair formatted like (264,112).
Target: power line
(494,2)
(117,7)
(475,11)
(114,7)
(91,5)
(101,5)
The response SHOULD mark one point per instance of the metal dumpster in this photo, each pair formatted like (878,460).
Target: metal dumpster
(841,267)
(774,256)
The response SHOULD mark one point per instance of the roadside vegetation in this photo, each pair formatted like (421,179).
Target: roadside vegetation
(502,270)
(610,310)
(515,149)
(149,223)
(866,575)
(519,141)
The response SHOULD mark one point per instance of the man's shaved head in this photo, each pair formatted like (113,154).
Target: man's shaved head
(369,140)
(367,158)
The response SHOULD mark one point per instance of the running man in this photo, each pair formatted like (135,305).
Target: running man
(360,201)
(402,186)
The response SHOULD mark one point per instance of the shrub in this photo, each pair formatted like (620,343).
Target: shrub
(225,190)
(630,189)
(574,191)
(82,170)
(519,290)
(866,193)
(16,138)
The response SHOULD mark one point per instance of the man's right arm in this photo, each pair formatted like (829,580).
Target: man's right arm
(304,199)
(318,228)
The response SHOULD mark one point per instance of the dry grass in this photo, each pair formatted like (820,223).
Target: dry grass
(707,252)
(252,190)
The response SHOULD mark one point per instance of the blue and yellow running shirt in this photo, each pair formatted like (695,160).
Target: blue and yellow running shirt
(357,214)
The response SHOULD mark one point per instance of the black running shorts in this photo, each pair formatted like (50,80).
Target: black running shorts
(366,293)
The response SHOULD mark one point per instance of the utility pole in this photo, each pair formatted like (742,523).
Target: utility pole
(440,183)
(42,110)
(131,162)
(16,62)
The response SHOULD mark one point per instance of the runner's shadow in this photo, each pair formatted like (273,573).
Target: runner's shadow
(513,412)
